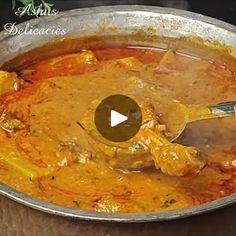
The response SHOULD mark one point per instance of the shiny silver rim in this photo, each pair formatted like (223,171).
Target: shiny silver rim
(125,218)
(224,31)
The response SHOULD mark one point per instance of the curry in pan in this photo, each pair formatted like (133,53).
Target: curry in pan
(51,150)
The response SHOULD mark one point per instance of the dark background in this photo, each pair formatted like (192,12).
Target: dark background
(220,9)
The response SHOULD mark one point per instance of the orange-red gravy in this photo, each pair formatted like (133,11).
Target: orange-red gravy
(87,184)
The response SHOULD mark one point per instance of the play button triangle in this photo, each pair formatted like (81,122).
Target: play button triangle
(117,118)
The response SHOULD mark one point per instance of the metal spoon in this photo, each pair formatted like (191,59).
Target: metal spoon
(183,114)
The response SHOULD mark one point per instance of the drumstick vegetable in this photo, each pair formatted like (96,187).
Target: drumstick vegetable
(22,166)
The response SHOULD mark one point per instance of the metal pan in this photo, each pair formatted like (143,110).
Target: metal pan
(154,22)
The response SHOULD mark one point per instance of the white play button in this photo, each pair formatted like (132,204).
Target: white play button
(117,118)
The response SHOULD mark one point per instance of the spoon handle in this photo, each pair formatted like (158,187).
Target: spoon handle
(212,111)
(224,109)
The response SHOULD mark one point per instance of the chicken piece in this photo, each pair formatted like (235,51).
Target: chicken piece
(8,82)
(173,159)
(148,148)
(124,155)
(10,123)
(70,64)
(133,157)
(108,203)
(130,63)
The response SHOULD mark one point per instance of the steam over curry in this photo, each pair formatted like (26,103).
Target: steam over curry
(50,148)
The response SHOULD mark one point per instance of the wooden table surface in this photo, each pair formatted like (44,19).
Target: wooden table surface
(16,219)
